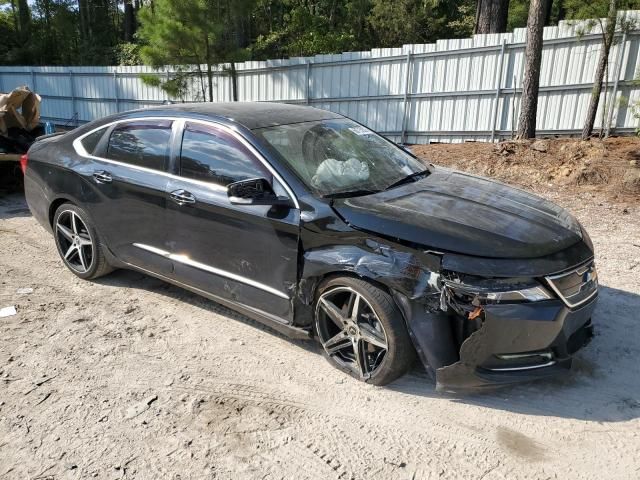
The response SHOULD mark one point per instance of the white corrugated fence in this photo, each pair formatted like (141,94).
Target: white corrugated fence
(450,91)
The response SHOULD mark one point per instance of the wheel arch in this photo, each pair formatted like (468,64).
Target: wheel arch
(55,204)
(389,269)
(328,276)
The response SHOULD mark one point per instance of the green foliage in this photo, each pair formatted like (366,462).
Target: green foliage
(172,32)
(127,53)
(295,28)
(298,28)
(404,21)
(59,32)
(463,23)
(191,32)
(518,13)
(566,10)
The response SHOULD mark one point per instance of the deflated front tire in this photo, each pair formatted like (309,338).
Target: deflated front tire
(362,331)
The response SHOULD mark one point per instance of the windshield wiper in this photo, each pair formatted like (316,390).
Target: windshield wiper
(350,193)
(409,178)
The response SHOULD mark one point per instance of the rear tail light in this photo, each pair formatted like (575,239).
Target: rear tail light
(23,163)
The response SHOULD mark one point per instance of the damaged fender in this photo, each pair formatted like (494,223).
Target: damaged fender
(413,280)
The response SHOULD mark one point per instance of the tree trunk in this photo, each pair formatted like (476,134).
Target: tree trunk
(607,40)
(24,19)
(209,66)
(531,81)
(234,81)
(15,17)
(84,22)
(129,21)
(548,11)
(491,16)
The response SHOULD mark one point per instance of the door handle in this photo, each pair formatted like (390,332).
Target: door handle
(101,176)
(182,197)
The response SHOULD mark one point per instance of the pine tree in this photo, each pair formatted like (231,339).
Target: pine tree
(491,16)
(190,33)
(533,59)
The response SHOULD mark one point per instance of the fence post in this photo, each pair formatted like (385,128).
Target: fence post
(116,90)
(73,97)
(618,70)
(308,74)
(498,83)
(166,95)
(513,109)
(34,87)
(405,100)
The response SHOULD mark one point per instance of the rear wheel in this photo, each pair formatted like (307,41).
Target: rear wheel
(78,243)
(362,331)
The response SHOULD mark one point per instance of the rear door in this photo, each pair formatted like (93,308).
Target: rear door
(130,173)
(243,253)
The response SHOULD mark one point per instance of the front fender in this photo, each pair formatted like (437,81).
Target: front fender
(411,279)
(397,270)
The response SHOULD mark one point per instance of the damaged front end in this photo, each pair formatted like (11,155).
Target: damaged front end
(476,332)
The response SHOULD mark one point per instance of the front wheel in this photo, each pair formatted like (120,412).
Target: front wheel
(362,330)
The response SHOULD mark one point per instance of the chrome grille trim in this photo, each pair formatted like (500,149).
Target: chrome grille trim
(584,275)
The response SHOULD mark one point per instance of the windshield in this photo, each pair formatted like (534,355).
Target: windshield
(339,157)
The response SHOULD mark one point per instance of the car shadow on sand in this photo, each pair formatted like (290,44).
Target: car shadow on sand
(12,204)
(602,386)
(134,279)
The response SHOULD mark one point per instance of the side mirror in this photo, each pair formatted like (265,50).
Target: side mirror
(255,191)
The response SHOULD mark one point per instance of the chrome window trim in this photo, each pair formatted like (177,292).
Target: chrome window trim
(569,271)
(208,268)
(179,122)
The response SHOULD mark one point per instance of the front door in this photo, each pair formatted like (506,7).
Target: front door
(243,253)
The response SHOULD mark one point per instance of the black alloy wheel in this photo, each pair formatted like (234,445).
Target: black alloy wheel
(362,331)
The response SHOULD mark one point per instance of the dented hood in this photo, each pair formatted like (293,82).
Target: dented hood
(456,212)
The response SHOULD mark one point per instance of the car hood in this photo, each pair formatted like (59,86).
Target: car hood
(456,212)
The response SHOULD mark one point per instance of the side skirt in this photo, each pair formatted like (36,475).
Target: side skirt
(265,318)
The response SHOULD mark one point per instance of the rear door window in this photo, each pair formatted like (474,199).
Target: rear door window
(212,155)
(141,143)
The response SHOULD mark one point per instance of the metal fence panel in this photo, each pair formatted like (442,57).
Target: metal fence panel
(450,91)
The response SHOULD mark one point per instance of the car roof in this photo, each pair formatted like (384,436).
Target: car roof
(252,115)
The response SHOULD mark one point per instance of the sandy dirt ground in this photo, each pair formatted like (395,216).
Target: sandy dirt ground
(128,377)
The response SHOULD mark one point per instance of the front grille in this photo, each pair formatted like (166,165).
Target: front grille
(576,286)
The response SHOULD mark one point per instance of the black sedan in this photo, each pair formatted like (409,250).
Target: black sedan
(316,226)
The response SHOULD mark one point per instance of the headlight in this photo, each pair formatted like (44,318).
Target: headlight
(531,294)
(497,290)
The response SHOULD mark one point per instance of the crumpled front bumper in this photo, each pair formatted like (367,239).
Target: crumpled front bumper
(486,358)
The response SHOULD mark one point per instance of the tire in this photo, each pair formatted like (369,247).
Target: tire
(374,364)
(78,242)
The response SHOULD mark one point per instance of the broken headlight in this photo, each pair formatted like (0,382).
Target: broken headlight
(530,294)
(478,291)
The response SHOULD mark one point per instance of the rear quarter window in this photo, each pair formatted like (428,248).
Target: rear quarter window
(90,142)
(144,144)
